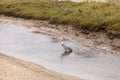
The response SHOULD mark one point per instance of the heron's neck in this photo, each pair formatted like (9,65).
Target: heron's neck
(62,42)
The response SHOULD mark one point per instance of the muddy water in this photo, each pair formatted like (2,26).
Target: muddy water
(86,63)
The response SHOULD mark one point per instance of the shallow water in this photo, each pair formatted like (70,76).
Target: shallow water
(86,63)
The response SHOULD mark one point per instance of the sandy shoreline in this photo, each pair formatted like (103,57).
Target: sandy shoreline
(15,69)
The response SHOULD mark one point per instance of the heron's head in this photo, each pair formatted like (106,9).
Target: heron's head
(62,43)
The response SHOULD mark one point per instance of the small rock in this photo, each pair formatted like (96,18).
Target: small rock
(116,42)
(66,30)
(76,34)
(85,32)
(112,35)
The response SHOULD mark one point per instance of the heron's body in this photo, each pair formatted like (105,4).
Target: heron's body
(67,49)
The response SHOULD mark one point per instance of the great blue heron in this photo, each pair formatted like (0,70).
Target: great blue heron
(68,50)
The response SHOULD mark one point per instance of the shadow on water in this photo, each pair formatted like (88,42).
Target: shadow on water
(65,54)
(75,50)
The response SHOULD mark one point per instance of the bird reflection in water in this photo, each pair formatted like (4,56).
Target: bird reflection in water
(65,54)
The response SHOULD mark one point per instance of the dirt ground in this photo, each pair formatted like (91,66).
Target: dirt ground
(14,69)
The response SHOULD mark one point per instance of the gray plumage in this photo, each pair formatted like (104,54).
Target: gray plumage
(67,49)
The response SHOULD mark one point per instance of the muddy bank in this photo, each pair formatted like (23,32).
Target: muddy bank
(109,41)
(14,69)
(103,40)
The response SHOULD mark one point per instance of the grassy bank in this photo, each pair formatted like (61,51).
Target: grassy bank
(94,16)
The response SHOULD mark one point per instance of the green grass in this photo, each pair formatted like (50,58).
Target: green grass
(94,16)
